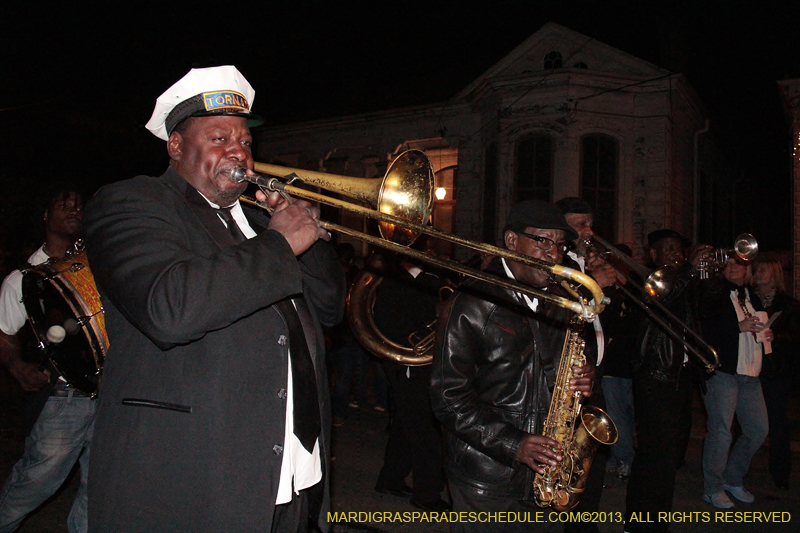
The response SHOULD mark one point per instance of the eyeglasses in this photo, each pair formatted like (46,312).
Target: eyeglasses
(547,244)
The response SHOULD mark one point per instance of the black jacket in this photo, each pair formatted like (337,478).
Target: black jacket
(785,329)
(494,363)
(194,332)
(659,354)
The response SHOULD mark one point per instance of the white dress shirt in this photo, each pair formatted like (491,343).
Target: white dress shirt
(598,328)
(299,469)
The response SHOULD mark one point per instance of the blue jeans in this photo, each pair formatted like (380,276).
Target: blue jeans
(728,394)
(63,429)
(619,403)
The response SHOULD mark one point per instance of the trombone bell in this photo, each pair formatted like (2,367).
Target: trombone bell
(660,283)
(406,191)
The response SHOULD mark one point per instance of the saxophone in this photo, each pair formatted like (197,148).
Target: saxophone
(579,429)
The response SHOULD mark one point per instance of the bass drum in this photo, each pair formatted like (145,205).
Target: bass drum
(67,319)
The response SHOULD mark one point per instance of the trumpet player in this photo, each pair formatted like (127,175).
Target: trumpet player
(495,360)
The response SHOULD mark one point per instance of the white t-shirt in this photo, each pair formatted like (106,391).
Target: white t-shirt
(12,311)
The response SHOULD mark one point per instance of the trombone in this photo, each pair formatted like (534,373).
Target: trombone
(403,200)
(656,285)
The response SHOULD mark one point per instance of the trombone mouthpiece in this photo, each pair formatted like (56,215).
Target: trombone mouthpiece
(237,175)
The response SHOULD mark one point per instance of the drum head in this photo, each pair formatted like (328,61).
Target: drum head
(72,345)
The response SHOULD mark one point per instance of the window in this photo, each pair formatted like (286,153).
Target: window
(534,165)
(599,172)
(444,210)
(580,64)
(553,60)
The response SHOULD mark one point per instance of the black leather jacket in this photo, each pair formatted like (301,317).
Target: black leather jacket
(489,386)
(660,355)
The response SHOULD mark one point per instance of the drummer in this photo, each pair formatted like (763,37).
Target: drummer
(62,418)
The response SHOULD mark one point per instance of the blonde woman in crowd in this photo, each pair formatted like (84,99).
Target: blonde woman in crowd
(777,367)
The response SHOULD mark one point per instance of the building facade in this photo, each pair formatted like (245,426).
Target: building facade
(561,115)
(790,95)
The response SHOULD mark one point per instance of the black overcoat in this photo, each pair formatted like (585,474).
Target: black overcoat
(190,421)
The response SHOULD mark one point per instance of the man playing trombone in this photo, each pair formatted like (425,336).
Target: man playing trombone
(662,385)
(214,413)
(495,358)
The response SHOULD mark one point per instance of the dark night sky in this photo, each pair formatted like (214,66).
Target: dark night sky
(79,79)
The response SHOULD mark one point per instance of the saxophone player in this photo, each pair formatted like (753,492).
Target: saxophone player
(495,361)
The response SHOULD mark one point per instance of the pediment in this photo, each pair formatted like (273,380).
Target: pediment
(575,50)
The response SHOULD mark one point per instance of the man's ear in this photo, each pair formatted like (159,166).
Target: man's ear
(510,238)
(174,146)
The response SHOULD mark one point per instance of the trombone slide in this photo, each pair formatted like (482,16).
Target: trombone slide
(402,203)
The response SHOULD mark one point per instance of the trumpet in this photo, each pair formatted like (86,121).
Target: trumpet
(745,247)
(656,285)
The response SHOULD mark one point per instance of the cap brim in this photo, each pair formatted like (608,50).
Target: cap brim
(253,120)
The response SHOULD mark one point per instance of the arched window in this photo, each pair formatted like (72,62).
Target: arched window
(534,168)
(553,60)
(599,176)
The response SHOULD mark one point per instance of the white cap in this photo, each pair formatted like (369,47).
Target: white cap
(203,92)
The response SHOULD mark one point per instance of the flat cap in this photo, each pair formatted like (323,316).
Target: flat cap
(661,234)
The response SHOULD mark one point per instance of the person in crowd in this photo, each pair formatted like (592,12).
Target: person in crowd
(580,216)
(776,368)
(663,376)
(619,318)
(733,323)
(494,363)
(355,370)
(346,355)
(215,410)
(59,417)
(405,304)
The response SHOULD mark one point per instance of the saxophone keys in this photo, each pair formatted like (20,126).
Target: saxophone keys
(561,498)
